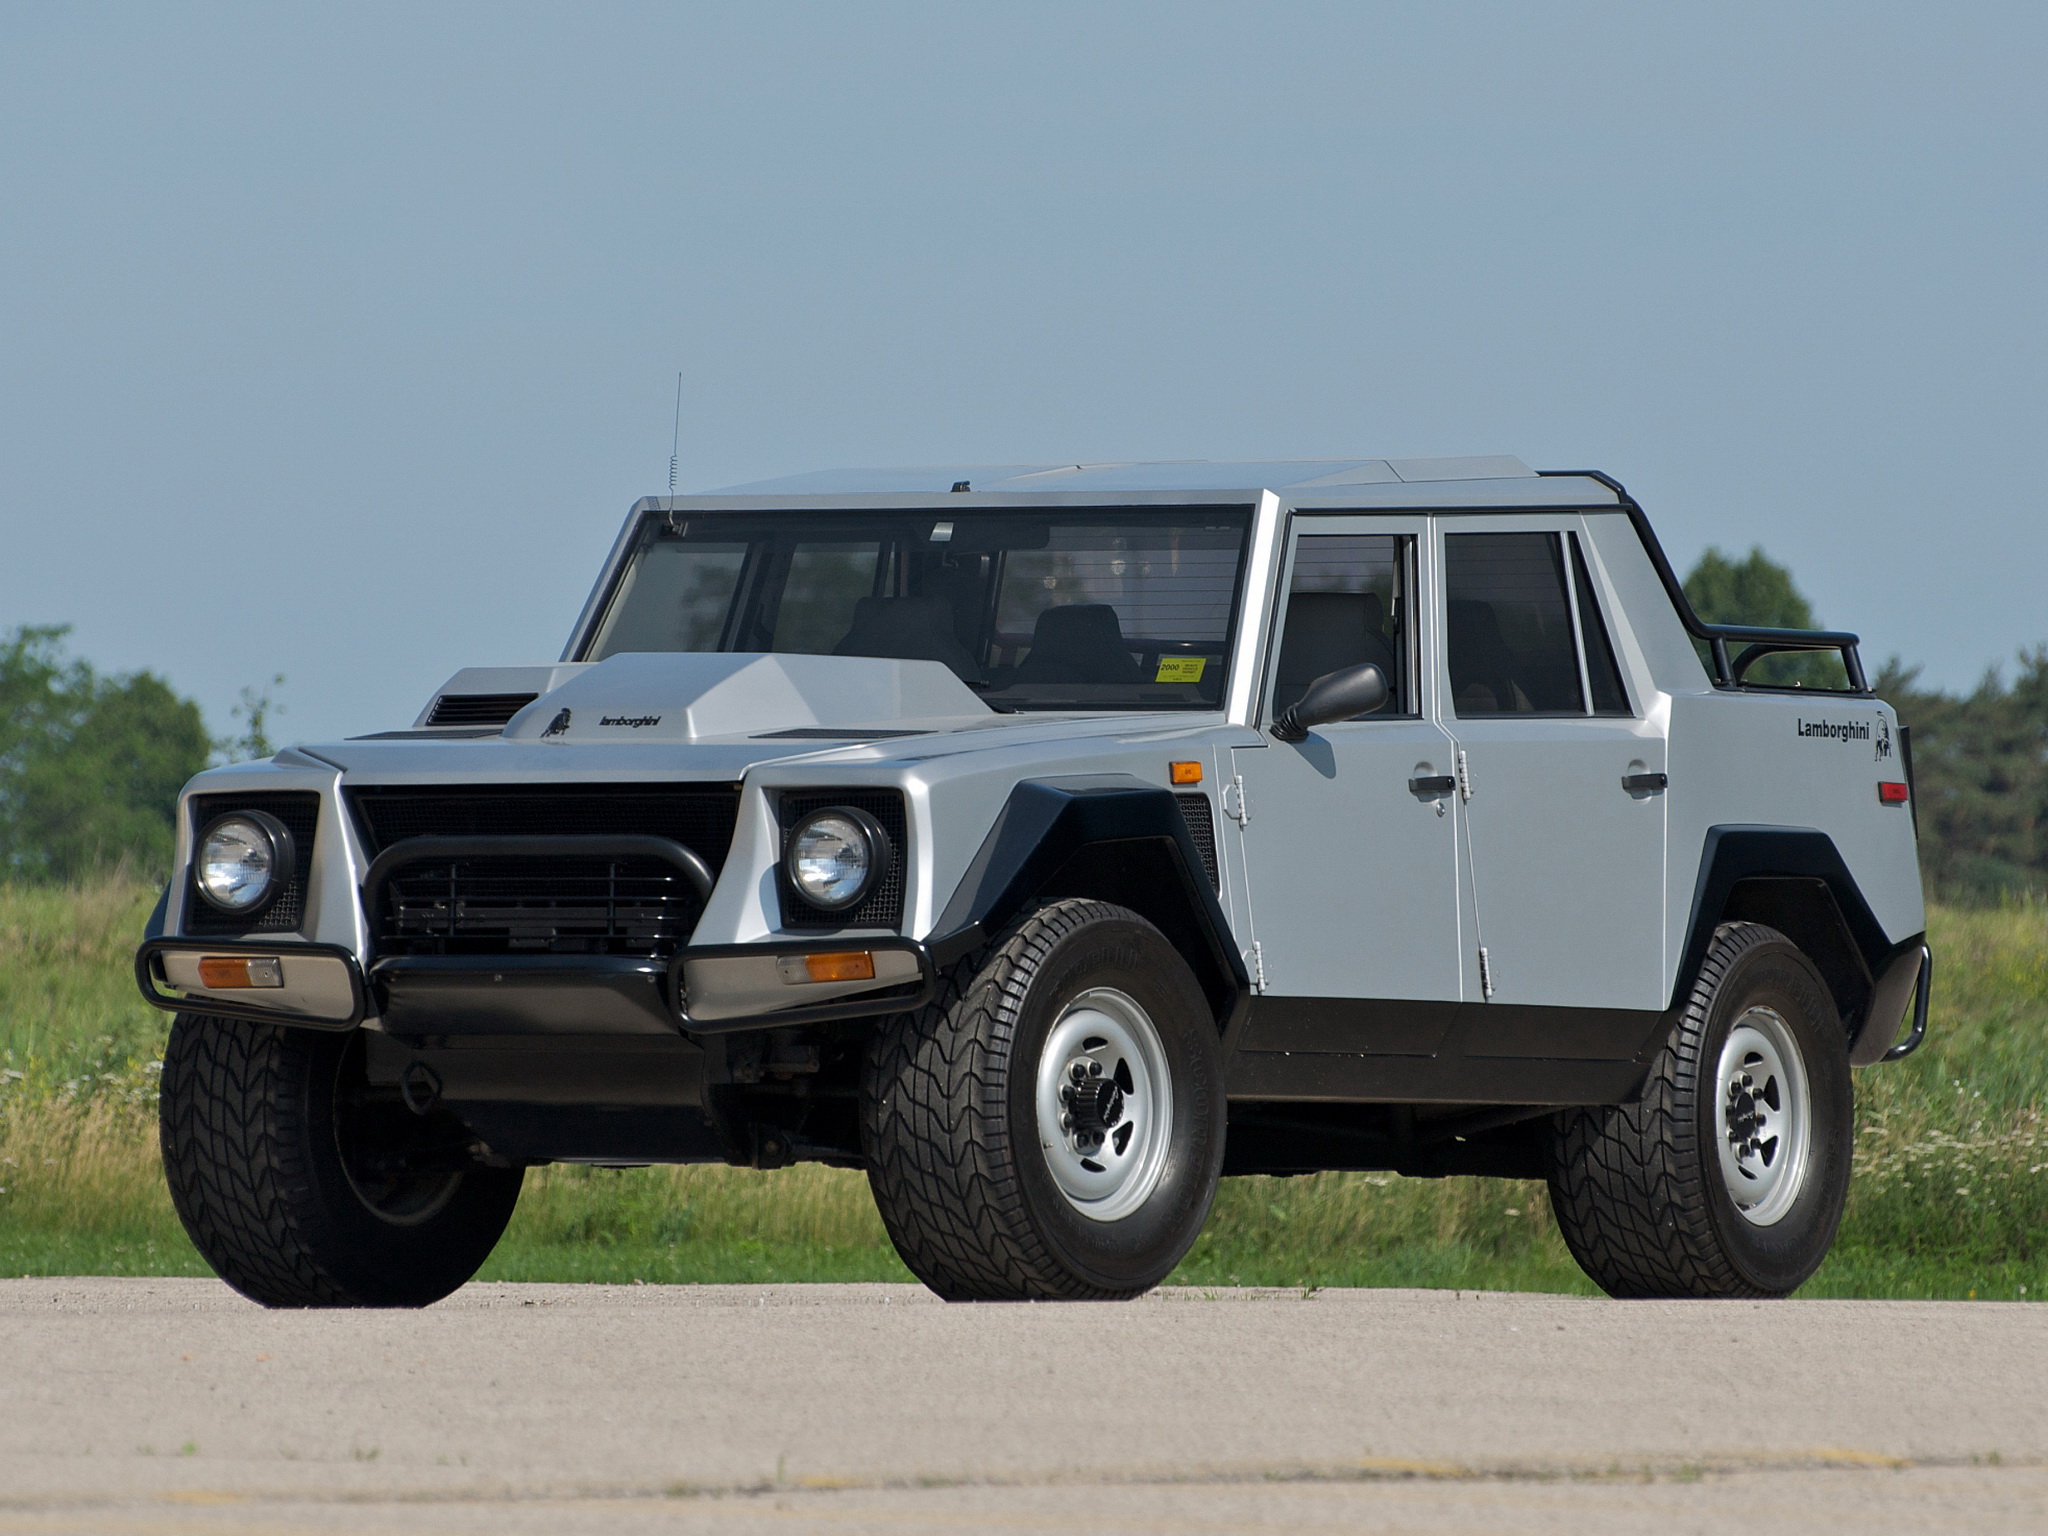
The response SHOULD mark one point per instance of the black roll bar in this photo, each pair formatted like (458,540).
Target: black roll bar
(1757,641)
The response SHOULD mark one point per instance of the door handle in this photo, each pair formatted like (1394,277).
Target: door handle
(1432,787)
(1645,783)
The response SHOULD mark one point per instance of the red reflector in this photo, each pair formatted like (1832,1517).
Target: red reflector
(1891,792)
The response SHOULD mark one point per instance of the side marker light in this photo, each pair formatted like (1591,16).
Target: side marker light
(228,971)
(1185,773)
(1892,792)
(856,965)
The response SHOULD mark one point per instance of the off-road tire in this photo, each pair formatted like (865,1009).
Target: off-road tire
(950,1128)
(248,1121)
(1638,1189)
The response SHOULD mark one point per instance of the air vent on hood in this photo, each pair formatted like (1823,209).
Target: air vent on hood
(478,708)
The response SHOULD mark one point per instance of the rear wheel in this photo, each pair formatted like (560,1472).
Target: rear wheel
(305,1187)
(1728,1176)
(1051,1127)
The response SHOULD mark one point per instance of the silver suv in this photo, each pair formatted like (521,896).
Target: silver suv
(1049,842)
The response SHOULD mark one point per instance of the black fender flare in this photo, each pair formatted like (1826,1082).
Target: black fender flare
(1045,830)
(1773,875)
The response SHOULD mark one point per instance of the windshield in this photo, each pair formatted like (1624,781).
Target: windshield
(1033,610)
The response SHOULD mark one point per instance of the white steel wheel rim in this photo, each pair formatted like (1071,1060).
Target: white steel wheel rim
(1105,1104)
(1764,1116)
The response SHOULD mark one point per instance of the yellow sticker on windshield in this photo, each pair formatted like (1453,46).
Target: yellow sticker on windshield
(1181,669)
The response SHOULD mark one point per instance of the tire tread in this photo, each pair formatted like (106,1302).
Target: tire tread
(937,1131)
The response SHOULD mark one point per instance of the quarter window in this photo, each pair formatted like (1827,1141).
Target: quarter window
(1603,672)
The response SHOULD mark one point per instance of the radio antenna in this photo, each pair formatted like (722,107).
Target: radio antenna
(676,444)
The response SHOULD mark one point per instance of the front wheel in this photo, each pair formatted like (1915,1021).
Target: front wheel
(1728,1176)
(1051,1127)
(303,1186)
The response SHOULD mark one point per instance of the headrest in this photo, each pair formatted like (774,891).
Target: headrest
(1078,643)
(907,628)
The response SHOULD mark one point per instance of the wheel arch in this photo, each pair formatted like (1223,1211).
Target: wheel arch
(1794,879)
(1112,837)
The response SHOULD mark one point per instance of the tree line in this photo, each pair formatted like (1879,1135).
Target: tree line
(91,763)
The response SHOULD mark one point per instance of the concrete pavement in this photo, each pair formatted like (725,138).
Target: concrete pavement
(173,1405)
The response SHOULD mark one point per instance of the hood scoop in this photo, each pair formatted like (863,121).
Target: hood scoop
(477,708)
(689,696)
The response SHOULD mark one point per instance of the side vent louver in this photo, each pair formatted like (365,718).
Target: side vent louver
(478,708)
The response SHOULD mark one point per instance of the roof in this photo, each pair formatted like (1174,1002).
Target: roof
(1167,475)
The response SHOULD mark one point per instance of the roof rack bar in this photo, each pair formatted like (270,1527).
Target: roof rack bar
(1758,641)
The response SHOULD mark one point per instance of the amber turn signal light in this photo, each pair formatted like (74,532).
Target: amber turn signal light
(1185,773)
(1891,792)
(854,965)
(229,971)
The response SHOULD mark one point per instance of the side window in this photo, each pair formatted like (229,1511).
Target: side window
(1348,604)
(1508,626)
(1603,672)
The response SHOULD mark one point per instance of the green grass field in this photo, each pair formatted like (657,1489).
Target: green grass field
(1950,1197)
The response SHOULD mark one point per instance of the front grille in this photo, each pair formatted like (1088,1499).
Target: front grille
(1201,820)
(555,906)
(514,904)
(478,708)
(298,811)
(883,906)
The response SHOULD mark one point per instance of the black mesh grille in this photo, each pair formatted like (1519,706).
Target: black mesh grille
(525,905)
(699,816)
(298,811)
(883,906)
(1201,820)
(499,906)
(478,708)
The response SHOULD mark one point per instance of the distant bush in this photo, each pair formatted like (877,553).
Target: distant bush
(90,765)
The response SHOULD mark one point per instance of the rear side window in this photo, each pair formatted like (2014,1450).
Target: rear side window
(1508,626)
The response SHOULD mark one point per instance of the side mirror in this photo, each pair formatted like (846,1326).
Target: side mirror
(1335,695)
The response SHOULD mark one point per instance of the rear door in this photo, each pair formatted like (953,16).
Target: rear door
(1564,774)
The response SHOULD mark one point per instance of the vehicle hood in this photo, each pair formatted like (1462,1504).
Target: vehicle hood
(698,716)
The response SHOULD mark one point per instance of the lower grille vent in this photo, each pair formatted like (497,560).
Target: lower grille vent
(551,906)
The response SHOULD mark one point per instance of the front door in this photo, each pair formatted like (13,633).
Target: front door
(1565,777)
(1350,838)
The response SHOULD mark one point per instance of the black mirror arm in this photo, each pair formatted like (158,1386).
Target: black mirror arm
(1339,695)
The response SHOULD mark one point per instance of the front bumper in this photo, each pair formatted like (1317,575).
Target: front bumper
(321,985)
(709,989)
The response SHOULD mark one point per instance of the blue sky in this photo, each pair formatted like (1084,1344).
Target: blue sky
(336,342)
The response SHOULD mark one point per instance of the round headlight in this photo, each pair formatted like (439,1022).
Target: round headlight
(835,855)
(245,859)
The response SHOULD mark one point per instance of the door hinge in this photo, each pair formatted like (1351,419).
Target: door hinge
(1258,966)
(1464,776)
(1485,974)
(1235,806)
